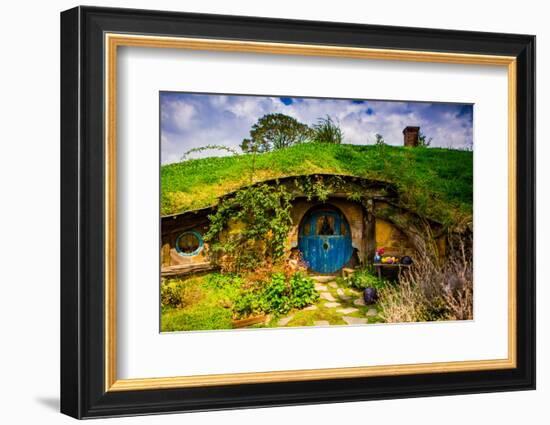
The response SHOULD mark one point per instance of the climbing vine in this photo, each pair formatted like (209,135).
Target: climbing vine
(318,187)
(201,149)
(250,228)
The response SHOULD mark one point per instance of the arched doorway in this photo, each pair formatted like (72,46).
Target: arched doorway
(325,240)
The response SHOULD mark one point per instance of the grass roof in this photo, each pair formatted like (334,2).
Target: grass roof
(434,182)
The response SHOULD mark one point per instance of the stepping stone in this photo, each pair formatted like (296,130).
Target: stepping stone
(332,305)
(321,323)
(322,279)
(284,321)
(354,320)
(372,312)
(310,308)
(342,294)
(359,301)
(327,296)
(319,287)
(333,284)
(347,310)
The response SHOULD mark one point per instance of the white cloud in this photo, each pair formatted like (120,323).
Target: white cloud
(194,120)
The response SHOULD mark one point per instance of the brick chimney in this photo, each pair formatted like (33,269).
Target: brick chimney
(411,136)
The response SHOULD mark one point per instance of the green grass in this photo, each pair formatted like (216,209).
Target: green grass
(208,307)
(209,300)
(435,182)
(308,318)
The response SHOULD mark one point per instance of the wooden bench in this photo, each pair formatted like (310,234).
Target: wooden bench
(346,272)
(380,266)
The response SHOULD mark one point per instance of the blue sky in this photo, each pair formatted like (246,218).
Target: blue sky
(193,120)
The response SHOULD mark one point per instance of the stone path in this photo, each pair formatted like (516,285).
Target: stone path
(347,310)
(327,296)
(354,320)
(342,294)
(284,321)
(319,287)
(344,302)
(359,301)
(322,279)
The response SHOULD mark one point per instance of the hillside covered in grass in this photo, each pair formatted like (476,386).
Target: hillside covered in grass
(434,182)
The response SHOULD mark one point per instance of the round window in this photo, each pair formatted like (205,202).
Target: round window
(189,243)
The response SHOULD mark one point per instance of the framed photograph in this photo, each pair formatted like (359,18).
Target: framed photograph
(261,212)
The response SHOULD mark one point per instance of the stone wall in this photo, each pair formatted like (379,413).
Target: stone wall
(394,241)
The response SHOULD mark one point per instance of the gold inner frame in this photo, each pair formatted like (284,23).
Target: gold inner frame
(113,41)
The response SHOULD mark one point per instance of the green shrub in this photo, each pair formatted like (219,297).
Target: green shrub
(249,304)
(303,290)
(281,295)
(278,295)
(327,131)
(224,281)
(365,278)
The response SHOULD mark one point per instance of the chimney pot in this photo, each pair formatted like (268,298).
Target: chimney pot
(410,136)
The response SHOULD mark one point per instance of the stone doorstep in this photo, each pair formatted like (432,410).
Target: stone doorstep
(354,320)
(333,284)
(321,323)
(372,312)
(319,287)
(332,305)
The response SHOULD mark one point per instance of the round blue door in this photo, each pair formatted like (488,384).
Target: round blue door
(325,240)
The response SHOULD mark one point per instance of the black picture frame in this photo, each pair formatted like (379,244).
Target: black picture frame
(83,392)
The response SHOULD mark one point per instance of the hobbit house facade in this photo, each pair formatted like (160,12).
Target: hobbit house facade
(342,230)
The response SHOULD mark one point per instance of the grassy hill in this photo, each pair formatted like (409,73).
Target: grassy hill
(434,182)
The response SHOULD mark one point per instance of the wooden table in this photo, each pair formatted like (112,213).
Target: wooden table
(380,266)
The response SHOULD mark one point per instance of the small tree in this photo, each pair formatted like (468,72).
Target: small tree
(379,139)
(275,131)
(423,141)
(327,131)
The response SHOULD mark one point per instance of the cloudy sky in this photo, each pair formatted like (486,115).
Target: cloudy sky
(191,120)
